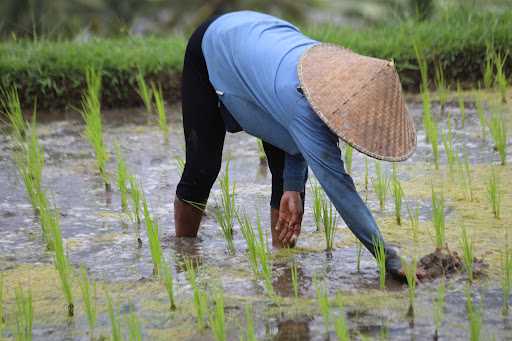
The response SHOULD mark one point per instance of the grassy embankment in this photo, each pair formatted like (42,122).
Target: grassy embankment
(53,72)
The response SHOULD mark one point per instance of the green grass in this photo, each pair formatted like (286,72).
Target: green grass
(10,105)
(318,199)
(160,109)
(168,280)
(495,193)
(153,239)
(250,333)
(250,239)
(329,220)
(467,246)
(380,185)
(414,221)
(134,327)
(506,279)
(294,276)
(410,274)
(122,178)
(441,86)
(498,129)
(438,219)
(200,299)
(61,263)
(216,316)
(340,325)
(88,289)
(438,306)
(135,195)
(113,315)
(462,106)
(380,258)
(349,152)
(474,317)
(145,92)
(91,113)
(322,298)
(501,78)
(24,314)
(227,211)
(398,194)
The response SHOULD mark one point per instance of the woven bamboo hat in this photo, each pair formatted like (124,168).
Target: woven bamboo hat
(360,99)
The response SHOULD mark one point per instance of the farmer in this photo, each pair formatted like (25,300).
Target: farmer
(254,72)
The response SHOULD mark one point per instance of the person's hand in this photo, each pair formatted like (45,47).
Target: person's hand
(290,218)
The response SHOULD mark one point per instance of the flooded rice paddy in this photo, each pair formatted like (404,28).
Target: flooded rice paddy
(100,237)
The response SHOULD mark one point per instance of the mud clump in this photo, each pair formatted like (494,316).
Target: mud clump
(443,262)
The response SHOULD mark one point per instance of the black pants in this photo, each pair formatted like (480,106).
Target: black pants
(205,131)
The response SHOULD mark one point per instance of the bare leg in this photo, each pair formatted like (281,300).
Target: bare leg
(187,219)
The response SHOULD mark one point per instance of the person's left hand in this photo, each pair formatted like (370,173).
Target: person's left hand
(290,218)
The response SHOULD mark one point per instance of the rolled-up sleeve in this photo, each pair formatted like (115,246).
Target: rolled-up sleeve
(295,173)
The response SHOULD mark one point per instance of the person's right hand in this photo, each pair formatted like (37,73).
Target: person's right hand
(290,218)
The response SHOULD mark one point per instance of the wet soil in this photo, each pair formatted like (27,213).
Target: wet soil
(104,240)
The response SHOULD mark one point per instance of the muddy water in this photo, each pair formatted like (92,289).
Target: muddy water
(104,240)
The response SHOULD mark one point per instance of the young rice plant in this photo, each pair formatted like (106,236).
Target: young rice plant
(122,178)
(329,219)
(501,77)
(250,239)
(160,109)
(398,194)
(380,185)
(200,298)
(216,316)
(380,257)
(145,92)
(322,297)
(134,327)
(11,106)
(474,317)
(340,325)
(227,212)
(414,219)
(441,87)
(439,307)
(153,239)
(506,280)
(295,279)
(410,274)
(88,290)
(495,193)
(24,314)
(113,315)
(168,280)
(250,333)
(466,245)
(438,218)
(498,129)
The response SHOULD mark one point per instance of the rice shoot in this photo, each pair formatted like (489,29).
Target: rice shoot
(122,178)
(227,211)
(501,77)
(88,289)
(506,280)
(144,92)
(398,194)
(160,109)
(380,185)
(495,194)
(380,257)
(498,129)
(438,219)
(216,316)
(24,314)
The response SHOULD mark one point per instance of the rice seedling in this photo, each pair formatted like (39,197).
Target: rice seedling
(462,107)
(422,63)
(425,93)
(340,325)
(427,114)
(506,280)
(414,220)
(488,74)
(349,152)
(481,114)
(180,163)
(380,257)
(46,218)
(380,185)
(434,141)
(474,317)
(250,333)
(295,279)
(216,316)
(250,239)
(135,195)
(261,152)
(153,239)
(322,297)
(122,178)
(447,138)
(501,77)
(398,194)
(113,316)
(359,248)
(200,298)
(410,275)
(441,87)
(134,327)
(91,113)
(467,178)
(438,218)
(263,255)
(160,109)
(11,106)
(61,262)
(466,244)
(24,314)
(88,290)
(227,211)
(439,307)
(329,219)
(318,199)
(168,280)
(495,194)
(498,130)
(145,92)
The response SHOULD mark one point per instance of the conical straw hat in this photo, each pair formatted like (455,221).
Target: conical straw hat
(360,99)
